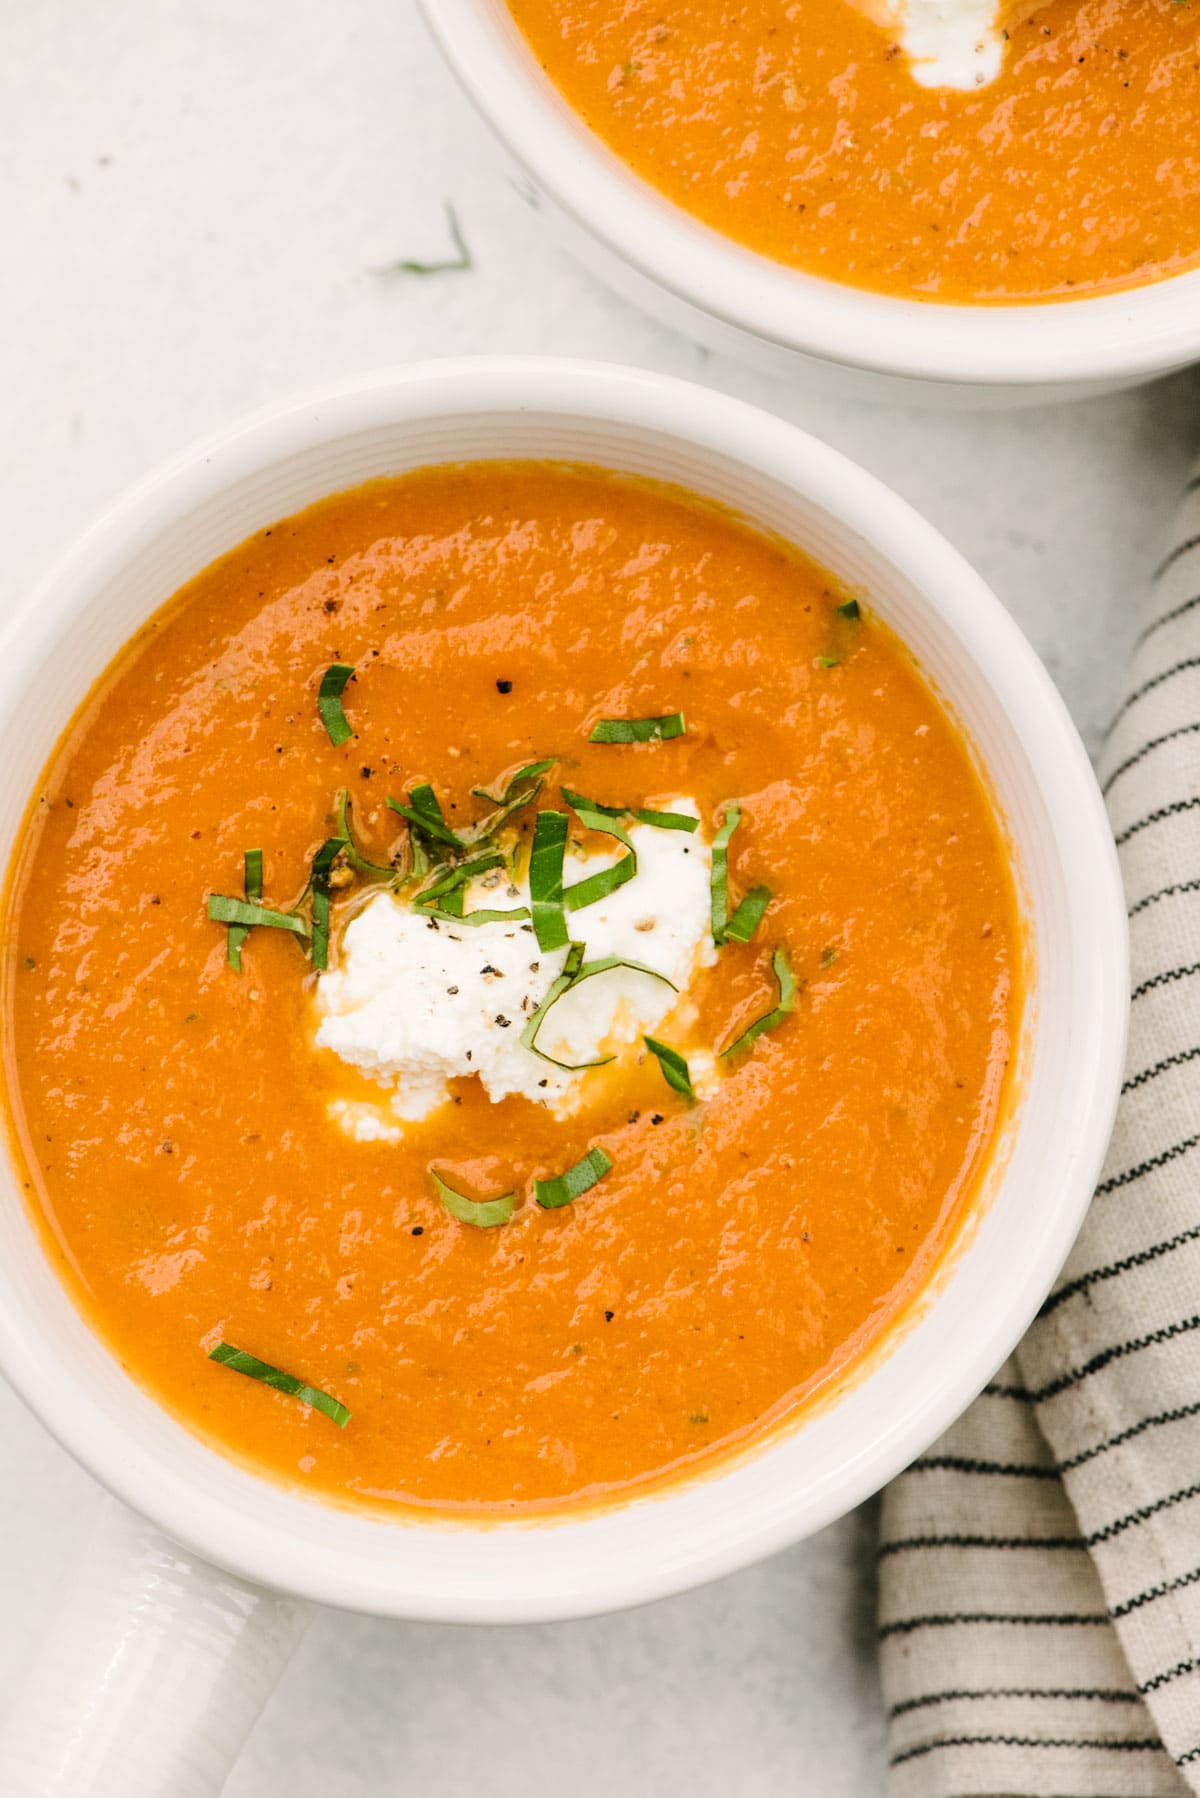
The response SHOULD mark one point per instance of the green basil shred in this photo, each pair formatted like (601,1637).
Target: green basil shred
(546,880)
(638,730)
(453,879)
(675,1069)
(719,879)
(224,910)
(239,1361)
(786,982)
(329,702)
(563,1189)
(444,916)
(668,820)
(318,879)
(575,971)
(849,608)
(748,916)
(425,816)
(524,777)
(601,818)
(485,1214)
(373,870)
(236,934)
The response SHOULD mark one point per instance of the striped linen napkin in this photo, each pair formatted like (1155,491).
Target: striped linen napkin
(1040,1566)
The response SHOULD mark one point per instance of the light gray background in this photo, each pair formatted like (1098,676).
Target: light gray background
(192,199)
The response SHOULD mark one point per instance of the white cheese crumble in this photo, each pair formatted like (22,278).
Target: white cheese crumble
(949,43)
(415,1003)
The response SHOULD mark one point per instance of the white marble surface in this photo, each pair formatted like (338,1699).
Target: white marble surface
(192,198)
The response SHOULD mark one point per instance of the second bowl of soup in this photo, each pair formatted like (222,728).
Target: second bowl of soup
(970,195)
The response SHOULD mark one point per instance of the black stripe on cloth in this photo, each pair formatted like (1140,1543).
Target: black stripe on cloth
(1167,618)
(1177,1415)
(1142,1515)
(1163,1588)
(1130,1745)
(1168,977)
(994,1389)
(906,1544)
(1176,555)
(1181,1760)
(967,1464)
(1148,686)
(1139,755)
(1169,892)
(1180,1058)
(1057,1693)
(1150,1166)
(1117,1351)
(1095,1695)
(1173,810)
(906,1626)
(1140,1258)
(1165,1679)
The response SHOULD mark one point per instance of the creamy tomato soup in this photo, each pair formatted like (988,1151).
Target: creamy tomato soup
(943,149)
(510,984)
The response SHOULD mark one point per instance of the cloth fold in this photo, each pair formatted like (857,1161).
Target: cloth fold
(1040,1566)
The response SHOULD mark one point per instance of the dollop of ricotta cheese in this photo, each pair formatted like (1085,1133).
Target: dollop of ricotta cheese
(949,43)
(416,1002)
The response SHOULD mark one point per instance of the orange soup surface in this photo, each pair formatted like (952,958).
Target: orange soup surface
(800,131)
(740,1232)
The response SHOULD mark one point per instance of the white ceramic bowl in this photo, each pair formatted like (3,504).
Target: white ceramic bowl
(1071,1057)
(738,301)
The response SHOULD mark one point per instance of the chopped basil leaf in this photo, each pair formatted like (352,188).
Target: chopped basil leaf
(546,880)
(786,982)
(341,810)
(236,935)
(588,809)
(425,815)
(674,1068)
(601,818)
(240,1362)
(637,730)
(829,661)
(447,916)
(719,879)
(444,897)
(320,929)
(318,879)
(454,878)
(606,881)
(575,971)
(524,777)
(668,820)
(224,910)
(520,791)
(849,608)
(554,993)
(449,265)
(748,916)
(329,702)
(483,1213)
(564,1188)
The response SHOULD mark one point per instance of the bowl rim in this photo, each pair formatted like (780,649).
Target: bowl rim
(247,1537)
(1109,338)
